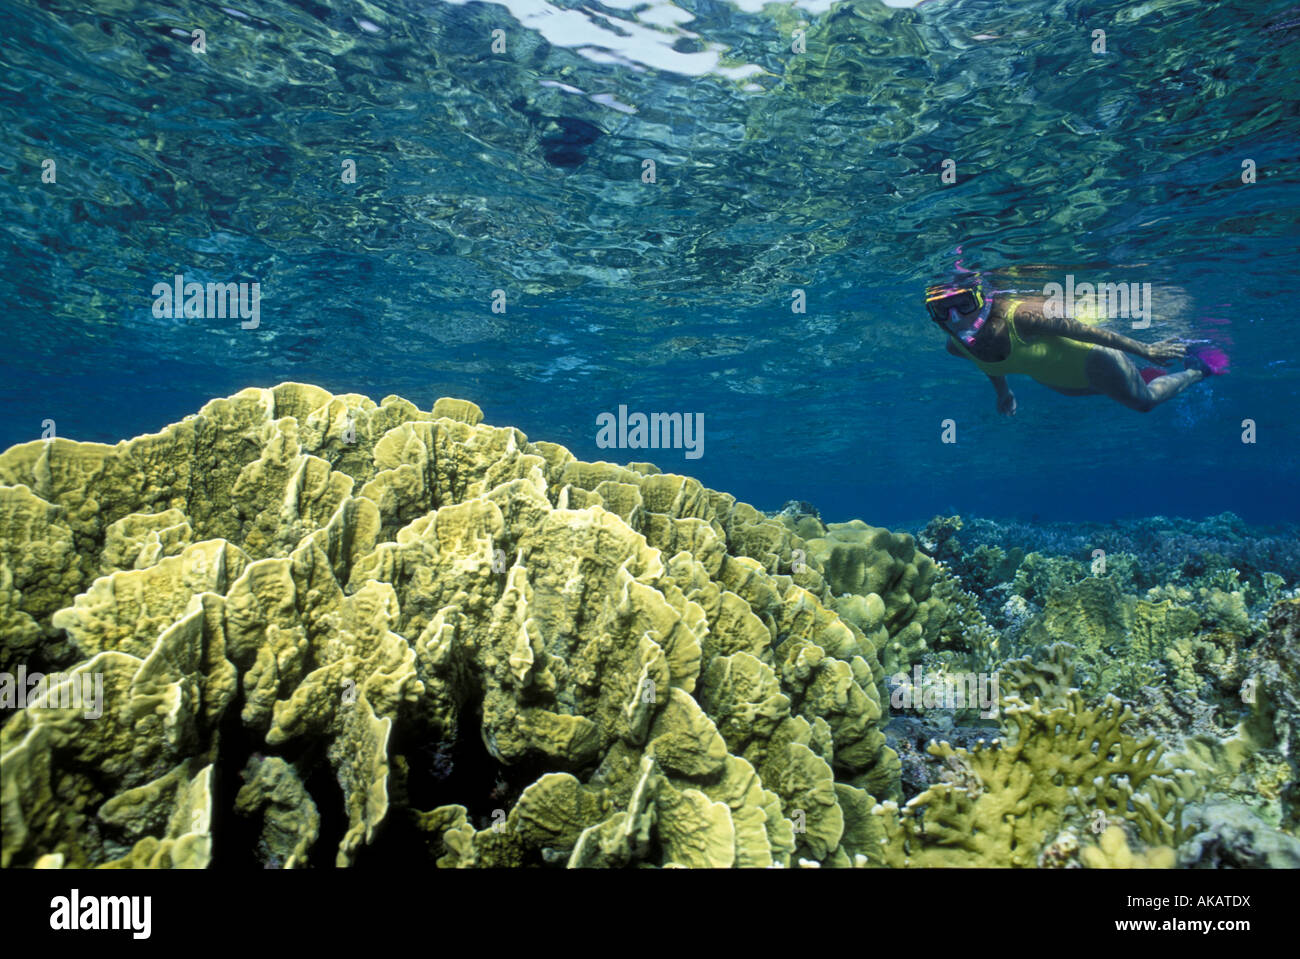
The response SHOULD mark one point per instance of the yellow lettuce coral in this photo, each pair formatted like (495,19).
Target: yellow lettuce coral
(319,582)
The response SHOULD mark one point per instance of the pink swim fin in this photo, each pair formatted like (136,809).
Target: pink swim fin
(1211,362)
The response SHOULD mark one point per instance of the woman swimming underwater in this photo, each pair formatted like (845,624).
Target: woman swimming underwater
(1003,335)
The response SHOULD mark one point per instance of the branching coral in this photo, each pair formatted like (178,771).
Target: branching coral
(1113,852)
(1059,761)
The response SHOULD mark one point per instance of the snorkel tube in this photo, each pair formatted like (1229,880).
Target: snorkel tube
(967,331)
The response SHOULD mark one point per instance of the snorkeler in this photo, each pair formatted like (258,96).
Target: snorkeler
(1004,335)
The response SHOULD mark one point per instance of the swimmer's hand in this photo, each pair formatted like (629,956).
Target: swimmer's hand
(1166,351)
(1007,403)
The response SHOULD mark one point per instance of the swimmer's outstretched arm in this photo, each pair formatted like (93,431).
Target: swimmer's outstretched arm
(1032,322)
(1006,399)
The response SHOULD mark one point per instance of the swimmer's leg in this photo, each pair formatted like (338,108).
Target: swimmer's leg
(1112,373)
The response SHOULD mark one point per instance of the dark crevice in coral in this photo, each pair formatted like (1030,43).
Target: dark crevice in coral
(431,764)
(443,772)
(438,772)
(461,772)
(55,654)
(235,838)
(399,844)
(321,782)
(95,839)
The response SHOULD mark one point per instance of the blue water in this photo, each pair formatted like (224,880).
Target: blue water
(776,171)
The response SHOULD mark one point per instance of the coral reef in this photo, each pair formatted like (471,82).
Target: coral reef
(1274,685)
(1143,553)
(892,591)
(1013,795)
(298,629)
(334,596)
(1113,852)
(1121,643)
(1202,651)
(1231,836)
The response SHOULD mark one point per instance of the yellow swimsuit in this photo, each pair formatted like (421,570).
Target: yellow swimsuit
(1051,360)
